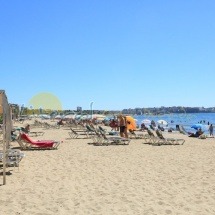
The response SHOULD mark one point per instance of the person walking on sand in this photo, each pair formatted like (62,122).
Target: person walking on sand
(211,130)
(122,126)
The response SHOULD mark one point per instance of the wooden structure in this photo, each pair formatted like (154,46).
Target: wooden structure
(6,127)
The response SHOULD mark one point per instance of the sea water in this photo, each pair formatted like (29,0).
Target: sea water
(185,119)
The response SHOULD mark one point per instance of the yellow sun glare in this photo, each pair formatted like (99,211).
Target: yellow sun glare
(45,101)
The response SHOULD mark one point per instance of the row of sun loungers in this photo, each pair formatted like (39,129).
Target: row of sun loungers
(98,136)
(45,125)
(158,139)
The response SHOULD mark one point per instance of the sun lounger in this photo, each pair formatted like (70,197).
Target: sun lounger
(90,130)
(97,138)
(74,134)
(36,133)
(96,135)
(152,127)
(150,138)
(48,126)
(14,156)
(102,129)
(37,124)
(169,141)
(113,140)
(182,130)
(26,142)
(133,135)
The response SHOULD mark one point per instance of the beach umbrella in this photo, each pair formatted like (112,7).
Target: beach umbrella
(162,122)
(77,116)
(198,126)
(69,116)
(146,121)
(44,116)
(99,117)
(131,123)
(83,117)
(58,117)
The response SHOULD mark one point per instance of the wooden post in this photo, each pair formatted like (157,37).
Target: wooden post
(7,126)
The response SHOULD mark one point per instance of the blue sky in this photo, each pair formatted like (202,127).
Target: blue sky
(116,53)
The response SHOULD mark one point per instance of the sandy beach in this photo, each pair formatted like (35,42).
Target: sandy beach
(80,178)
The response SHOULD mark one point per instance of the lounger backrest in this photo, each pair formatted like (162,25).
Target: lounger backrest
(89,128)
(151,127)
(101,128)
(26,138)
(150,132)
(159,134)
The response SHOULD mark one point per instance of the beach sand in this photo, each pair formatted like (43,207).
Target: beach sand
(80,178)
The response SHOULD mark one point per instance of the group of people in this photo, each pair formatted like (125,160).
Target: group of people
(120,124)
(199,132)
(152,126)
(25,129)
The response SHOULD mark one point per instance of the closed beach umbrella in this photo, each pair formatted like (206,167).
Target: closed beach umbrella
(162,122)
(131,123)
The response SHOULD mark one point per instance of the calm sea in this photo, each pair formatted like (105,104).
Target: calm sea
(187,120)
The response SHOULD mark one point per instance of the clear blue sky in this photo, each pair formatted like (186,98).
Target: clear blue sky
(116,53)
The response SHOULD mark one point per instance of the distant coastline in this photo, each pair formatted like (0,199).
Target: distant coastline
(17,110)
(168,110)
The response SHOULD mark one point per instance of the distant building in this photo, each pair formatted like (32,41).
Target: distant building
(79,109)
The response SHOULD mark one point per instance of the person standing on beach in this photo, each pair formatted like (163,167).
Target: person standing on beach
(211,130)
(122,126)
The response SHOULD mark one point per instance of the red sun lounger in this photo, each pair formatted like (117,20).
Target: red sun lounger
(29,142)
